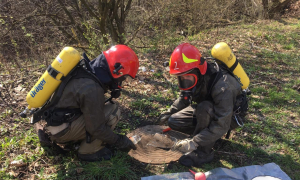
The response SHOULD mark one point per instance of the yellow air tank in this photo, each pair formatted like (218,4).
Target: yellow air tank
(51,79)
(222,52)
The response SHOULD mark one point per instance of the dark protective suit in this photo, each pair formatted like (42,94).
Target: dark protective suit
(211,117)
(97,118)
(87,95)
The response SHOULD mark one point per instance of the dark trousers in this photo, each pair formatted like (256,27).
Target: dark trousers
(192,119)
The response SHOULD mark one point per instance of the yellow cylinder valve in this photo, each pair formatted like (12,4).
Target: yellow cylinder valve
(67,59)
(222,52)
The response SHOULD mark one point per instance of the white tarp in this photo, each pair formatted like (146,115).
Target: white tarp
(269,171)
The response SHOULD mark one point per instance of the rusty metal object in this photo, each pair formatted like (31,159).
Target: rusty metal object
(155,146)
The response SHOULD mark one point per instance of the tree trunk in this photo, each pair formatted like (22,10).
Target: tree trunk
(266,7)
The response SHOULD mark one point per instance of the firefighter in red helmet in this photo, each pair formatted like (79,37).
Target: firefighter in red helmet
(205,106)
(82,114)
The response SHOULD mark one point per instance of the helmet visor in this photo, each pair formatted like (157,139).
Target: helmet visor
(187,81)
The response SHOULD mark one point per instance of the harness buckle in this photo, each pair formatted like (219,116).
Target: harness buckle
(239,122)
(238,110)
(69,116)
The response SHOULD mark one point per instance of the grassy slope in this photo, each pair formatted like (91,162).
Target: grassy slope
(271,134)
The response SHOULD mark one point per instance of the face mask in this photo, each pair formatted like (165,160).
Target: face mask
(187,81)
(192,85)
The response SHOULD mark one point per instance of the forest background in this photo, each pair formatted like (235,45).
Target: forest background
(264,35)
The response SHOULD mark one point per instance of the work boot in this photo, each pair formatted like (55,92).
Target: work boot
(43,137)
(196,158)
(103,154)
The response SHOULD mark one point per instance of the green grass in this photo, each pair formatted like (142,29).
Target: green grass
(271,133)
(117,168)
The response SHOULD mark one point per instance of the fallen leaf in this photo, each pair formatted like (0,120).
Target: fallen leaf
(255,96)
(19,89)
(14,174)
(18,163)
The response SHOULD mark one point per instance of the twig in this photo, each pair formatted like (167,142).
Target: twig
(45,162)
(275,80)
(27,168)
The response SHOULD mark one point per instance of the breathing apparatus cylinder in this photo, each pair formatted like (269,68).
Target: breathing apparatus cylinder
(67,59)
(221,51)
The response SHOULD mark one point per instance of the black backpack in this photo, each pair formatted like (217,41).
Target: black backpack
(240,110)
(241,105)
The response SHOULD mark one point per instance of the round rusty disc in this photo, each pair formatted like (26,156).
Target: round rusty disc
(160,154)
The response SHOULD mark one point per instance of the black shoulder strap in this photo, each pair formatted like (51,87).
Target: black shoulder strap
(84,72)
(224,67)
(215,78)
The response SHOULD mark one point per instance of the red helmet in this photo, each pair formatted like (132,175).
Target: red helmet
(186,57)
(122,61)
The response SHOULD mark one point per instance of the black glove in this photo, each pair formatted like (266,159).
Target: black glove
(124,143)
(163,118)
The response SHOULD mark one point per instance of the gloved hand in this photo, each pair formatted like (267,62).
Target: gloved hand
(185,145)
(163,118)
(124,143)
